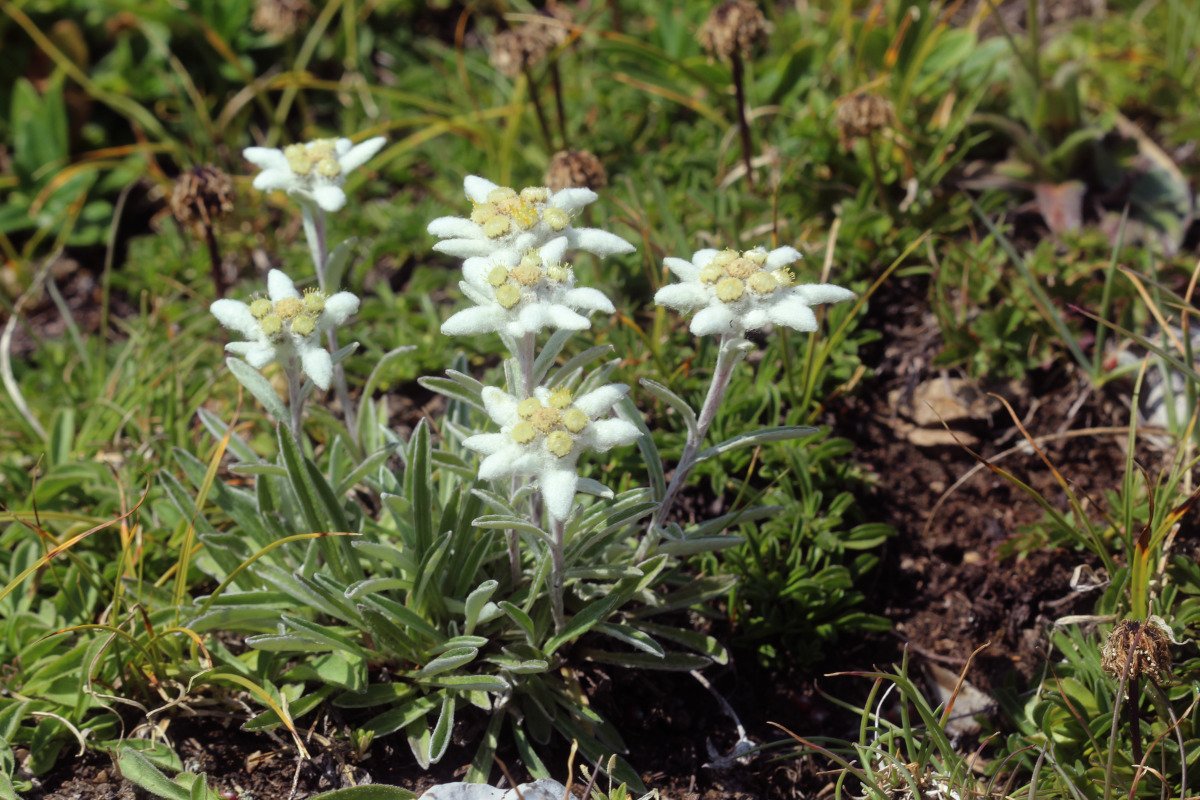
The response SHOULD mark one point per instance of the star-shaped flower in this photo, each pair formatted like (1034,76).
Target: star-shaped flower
(286,326)
(314,171)
(516,296)
(736,292)
(544,435)
(507,223)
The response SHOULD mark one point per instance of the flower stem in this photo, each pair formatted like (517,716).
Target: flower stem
(557,577)
(525,356)
(314,232)
(727,358)
(295,398)
(739,88)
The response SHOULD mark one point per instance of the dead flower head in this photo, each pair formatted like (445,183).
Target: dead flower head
(733,28)
(513,51)
(1136,648)
(201,195)
(280,18)
(862,114)
(575,169)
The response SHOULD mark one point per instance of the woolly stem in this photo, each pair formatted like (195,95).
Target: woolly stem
(525,355)
(295,397)
(728,356)
(314,233)
(557,577)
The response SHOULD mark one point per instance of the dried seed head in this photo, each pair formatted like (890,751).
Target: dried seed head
(551,29)
(1137,648)
(733,28)
(280,18)
(201,195)
(575,169)
(515,50)
(861,114)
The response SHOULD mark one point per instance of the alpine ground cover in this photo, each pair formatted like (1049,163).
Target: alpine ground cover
(369,561)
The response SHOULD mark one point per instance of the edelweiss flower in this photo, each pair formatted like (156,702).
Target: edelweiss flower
(544,436)
(508,223)
(738,292)
(523,295)
(313,171)
(286,325)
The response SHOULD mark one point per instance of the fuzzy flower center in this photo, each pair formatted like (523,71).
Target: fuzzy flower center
(293,315)
(732,274)
(506,211)
(554,425)
(511,284)
(318,157)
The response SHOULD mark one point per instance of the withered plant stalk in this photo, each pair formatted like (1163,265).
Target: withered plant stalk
(739,88)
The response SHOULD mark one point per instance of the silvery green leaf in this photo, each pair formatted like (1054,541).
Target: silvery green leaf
(259,387)
(576,363)
(777,434)
(366,792)
(440,738)
(632,637)
(594,488)
(460,641)
(452,390)
(258,468)
(336,264)
(394,719)
(673,401)
(369,464)
(344,352)
(550,351)
(672,662)
(417,733)
(483,683)
(693,640)
(503,523)
(217,427)
(475,602)
(286,643)
(694,545)
(726,521)
(452,659)
(629,412)
(380,584)
(325,635)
